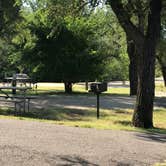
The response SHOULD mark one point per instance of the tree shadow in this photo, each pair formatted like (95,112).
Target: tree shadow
(58,92)
(123,122)
(160,101)
(62,92)
(153,136)
(57,114)
(48,158)
(73,161)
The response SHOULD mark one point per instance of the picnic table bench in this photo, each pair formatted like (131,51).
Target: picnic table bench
(20,101)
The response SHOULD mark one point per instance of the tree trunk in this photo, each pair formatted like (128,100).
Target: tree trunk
(146,46)
(133,75)
(68,87)
(143,113)
(163,69)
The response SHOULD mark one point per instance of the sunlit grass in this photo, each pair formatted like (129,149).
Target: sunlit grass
(118,91)
(161,164)
(51,88)
(160,118)
(109,119)
(160,88)
(80,88)
(47,88)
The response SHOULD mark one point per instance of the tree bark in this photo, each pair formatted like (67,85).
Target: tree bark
(143,113)
(68,87)
(146,47)
(133,75)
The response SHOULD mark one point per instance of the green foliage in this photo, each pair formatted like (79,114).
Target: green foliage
(6,67)
(66,41)
(67,47)
(118,68)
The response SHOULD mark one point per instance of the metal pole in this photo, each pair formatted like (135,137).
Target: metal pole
(98,105)
(14,84)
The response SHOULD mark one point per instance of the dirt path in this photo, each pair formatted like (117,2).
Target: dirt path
(27,143)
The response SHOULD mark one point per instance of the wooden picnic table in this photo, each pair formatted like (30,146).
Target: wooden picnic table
(19,80)
(17,99)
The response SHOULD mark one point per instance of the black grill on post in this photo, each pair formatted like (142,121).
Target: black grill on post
(98,88)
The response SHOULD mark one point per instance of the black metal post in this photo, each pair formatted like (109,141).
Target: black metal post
(14,85)
(98,106)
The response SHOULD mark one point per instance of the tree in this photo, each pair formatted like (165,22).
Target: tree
(9,12)
(146,47)
(67,47)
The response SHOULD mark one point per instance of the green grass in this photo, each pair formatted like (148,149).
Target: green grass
(109,119)
(77,88)
(118,91)
(160,88)
(161,164)
(56,88)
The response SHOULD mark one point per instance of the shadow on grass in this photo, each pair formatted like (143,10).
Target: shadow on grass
(57,92)
(61,92)
(160,101)
(157,134)
(57,114)
(122,112)
(123,122)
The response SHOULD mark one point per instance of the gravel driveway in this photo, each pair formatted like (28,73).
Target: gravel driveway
(27,143)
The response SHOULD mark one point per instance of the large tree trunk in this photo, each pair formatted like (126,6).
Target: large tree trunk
(143,113)
(145,45)
(133,75)
(68,87)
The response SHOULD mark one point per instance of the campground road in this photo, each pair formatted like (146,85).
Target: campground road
(28,143)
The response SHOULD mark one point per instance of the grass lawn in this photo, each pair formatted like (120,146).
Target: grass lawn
(110,119)
(161,164)
(160,88)
(50,88)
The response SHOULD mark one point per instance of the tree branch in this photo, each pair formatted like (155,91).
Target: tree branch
(124,19)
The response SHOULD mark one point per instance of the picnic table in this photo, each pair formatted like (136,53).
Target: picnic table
(20,80)
(19,99)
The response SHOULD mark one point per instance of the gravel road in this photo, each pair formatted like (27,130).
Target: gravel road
(27,143)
